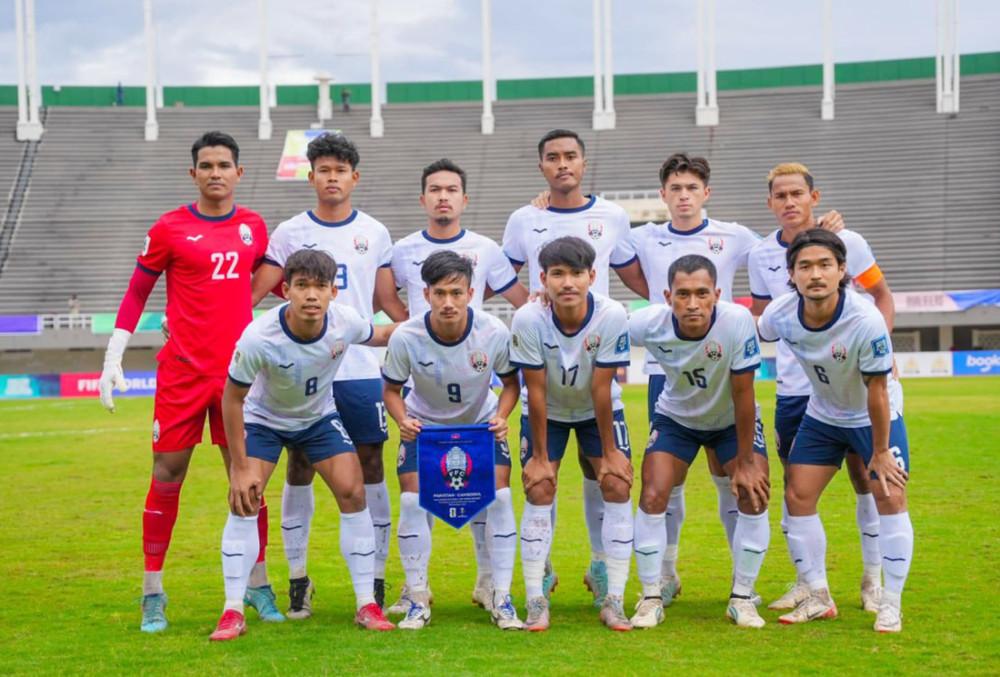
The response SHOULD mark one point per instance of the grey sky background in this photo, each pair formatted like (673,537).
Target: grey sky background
(100,42)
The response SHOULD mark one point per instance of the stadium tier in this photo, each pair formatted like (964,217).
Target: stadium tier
(920,186)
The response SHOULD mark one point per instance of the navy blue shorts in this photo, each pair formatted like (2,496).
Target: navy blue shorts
(788,414)
(819,443)
(588,439)
(407,459)
(325,438)
(669,436)
(360,404)
(656,383)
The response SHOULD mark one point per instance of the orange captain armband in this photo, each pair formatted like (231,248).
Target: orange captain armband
(870,277)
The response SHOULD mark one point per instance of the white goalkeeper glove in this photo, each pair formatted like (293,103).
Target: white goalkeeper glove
(113,377)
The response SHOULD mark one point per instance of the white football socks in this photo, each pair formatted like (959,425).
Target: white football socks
(297,506)
(868,530)
(240,546)
(482,548)
(536,540)
(502,531)
(807,544)
(593,512)
(617,534)
(650,540)
(896,543)
(414,538)
(728,510)
(357,545)
(673,519)
(377,499)
(750,542)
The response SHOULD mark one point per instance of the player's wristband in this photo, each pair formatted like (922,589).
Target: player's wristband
(116,346)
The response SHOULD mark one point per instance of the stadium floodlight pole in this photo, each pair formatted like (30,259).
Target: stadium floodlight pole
(152,128)
(707,111)
(956,58)
(324,110)
(376,125)
(22,90)
(608,69)
(33,130)
(946,62)
(264,124)
(598,79)
(488,122)
(826,107)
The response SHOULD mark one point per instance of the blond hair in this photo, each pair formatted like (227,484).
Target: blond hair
(790,169)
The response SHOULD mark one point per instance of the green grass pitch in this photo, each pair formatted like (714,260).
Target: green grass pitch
(74,479)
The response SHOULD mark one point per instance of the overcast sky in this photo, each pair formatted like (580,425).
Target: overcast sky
(101,42)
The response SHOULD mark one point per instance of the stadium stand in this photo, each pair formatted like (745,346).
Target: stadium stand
(920,186)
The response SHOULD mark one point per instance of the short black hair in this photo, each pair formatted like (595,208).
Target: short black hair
(445,265)
(817,237)
(682,162)
(567,251)
(561,134)
(209,139)
(689,264)
(442,165)
(335,146)
(312,263)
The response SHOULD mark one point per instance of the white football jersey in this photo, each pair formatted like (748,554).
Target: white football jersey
(698,393)
(360,245)
(603,224)
(538,342)
(490,268)
(658,245)
(291,381)
(836,357)
(451,381)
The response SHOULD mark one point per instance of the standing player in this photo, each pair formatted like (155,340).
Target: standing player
(444,199)
(569,351)
(603,224)
(280,377)
(708,350)
(842,343)
(451,352)
(792,197)
(208,250)
(362,247)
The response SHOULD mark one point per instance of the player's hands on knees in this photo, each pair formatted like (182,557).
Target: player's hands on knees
(409,428)
(753,480)
(887,471)
(111,377)
(616,464)
(541,200)
(831,221)
(498,426)
(244,491)
(536,471)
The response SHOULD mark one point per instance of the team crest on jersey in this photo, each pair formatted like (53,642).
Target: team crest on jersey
(713,351)
(839,352)
(456,466)
(591,343)
(595,230)
(361,244)
(479,361)
(337,350)
(156,430)
(716,246)
(246,234)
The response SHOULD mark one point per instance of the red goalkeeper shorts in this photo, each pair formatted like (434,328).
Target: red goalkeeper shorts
(183,398)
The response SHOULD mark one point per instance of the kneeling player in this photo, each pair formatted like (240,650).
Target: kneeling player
(278,396)
(569,350)
(843,345)
(708,351)
(451,352)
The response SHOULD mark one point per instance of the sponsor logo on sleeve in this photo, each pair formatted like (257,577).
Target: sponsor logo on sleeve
(880,346)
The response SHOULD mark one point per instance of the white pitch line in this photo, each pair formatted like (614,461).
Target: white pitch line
(52,433)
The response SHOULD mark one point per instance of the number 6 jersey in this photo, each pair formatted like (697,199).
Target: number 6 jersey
(291,380)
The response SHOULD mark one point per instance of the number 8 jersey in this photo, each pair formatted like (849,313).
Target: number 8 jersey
(697,393)
(291,380)
(539,342)
(836,357)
